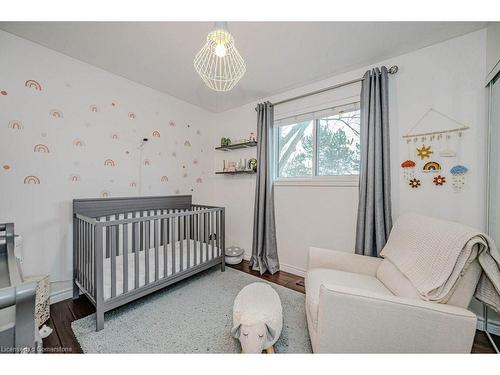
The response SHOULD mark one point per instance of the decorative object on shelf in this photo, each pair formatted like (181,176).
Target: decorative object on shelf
(424,152)
(234,255)
(414,183)
(458,177)
(219,63)
(242,165)
(408,169)
(236,145)
(230,166)
(431,166)
(225,141)
(252,138)
(439,180)
(252,164)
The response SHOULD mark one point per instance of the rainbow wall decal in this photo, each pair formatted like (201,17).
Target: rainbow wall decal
(171,123)
(199,180)
(147,162)
(32,84)
(105,194)
(31,180)
(131,115)
(115,136)
(431,166)
(109,163)
(187,144)
(78,143)
(133,184)
(6,167)
(41,148)
(156,134)
(75,178)
(16,125)
(164,179)
(94,108)
(56,113)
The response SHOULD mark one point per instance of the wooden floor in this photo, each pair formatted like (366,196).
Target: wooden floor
(62,340)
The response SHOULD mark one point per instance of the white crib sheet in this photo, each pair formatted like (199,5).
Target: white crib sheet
(201,256)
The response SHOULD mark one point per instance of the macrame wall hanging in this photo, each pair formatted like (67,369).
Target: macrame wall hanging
(432,150)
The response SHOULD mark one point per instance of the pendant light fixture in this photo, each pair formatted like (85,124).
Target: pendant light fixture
(219,63)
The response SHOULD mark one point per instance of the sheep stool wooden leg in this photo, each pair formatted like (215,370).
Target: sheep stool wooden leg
(270,350)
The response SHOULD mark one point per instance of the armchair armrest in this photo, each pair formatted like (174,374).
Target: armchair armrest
(342,261)
(358,321)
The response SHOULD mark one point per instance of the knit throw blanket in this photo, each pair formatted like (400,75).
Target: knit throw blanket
(434,254)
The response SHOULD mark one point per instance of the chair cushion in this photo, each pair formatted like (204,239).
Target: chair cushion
(395,281)
(322,276)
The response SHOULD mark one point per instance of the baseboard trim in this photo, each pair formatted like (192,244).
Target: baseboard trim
(285,267)
(61,295)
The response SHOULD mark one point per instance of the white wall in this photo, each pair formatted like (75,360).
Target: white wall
(448,76)
(42,212)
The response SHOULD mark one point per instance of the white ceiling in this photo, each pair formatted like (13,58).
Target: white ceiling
(279,55)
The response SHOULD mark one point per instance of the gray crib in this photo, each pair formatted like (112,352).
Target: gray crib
(126,248)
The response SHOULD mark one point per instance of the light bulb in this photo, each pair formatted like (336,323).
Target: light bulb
(220,50)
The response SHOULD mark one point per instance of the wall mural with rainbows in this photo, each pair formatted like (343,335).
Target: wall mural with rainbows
(69,130)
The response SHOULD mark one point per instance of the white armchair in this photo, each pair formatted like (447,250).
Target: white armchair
(359,304)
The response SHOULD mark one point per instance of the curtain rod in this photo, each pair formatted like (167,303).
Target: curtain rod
(392,70)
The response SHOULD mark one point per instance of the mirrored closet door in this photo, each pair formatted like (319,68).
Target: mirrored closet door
(493,219)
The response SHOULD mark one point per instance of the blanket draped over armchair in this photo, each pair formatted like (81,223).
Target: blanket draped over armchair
(435,265)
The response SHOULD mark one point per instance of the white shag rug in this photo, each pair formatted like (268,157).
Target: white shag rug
(192,316)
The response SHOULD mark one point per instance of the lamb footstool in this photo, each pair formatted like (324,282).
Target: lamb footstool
(257,318)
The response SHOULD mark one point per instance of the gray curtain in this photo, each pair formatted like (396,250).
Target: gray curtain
(264,248)
(374,208)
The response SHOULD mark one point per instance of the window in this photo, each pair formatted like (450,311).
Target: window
(324,145)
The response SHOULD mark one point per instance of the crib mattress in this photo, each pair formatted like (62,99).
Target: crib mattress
(196,248)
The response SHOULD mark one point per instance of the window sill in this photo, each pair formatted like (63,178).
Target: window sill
(340,181)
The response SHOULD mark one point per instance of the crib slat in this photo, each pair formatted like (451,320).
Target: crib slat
(113,260)
(217,239)
(172,244)
(146,249)
(87,256)
(206,228)
(108,237)
(165,244)
(136,254)
(212,232)
(181,243)
(199,241)
(188,240)
(125,257)
(157,250)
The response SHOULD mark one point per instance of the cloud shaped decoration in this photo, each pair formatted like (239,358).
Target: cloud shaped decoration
(458,169)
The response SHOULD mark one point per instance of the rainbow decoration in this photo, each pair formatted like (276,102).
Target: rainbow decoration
(431,166)
(16,125)
(131,115)
(164,179)
(32,84)
(199,180)
(187,144)
(78,143)
(133,184)
(171,123)
(147,162)
(4,93)
(31,180)
(74,178)
(105,194)
(115,136)
(156,134)
(56,113)
(109,163)
(6,167)
(41,148)
(94,108)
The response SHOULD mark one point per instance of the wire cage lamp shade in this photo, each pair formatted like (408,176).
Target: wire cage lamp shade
(219,63)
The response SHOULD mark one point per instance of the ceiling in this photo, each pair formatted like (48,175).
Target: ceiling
(279,55)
